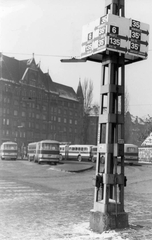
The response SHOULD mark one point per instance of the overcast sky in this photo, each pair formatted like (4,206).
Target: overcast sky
(52,30)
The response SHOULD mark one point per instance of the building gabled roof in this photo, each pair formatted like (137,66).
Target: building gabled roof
(18,70)
(147,141)
(65,91)
(79,91)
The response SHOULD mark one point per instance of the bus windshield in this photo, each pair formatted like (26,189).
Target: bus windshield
(50,146)
(10,147)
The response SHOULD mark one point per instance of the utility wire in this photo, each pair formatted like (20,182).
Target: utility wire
(47,55)
(38,54)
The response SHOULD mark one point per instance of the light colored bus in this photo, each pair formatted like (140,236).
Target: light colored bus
(64,150)
(94,153)
(80,152)
(130,153)
(8,150)
(31,151)
(44,151)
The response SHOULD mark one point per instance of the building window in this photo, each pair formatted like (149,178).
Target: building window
(54,118)
(23,124)
(7,121)
(44,108)
(70,121)
(38,106)
(65,120)
(4,121)
(37,116)
(15,113)
(44,117)
(59,119)
(23,114)
(6,87)
(76,122)
(23,104)
(16,103)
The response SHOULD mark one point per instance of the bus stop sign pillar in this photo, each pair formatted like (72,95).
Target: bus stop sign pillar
(108,210)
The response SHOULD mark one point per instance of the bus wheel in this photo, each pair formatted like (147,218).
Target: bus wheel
(79,158)
(60,157)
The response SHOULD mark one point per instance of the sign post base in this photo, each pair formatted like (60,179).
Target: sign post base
(100,222)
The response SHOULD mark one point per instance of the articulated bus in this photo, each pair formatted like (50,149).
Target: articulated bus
(31,151)
(44,151)
(64,151)
(8,150)
(80,152)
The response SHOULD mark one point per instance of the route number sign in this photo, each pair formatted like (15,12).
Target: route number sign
(117,34)
(138,38)
(87,40)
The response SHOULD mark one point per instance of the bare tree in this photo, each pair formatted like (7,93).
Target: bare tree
(87,88)
(126,101)
(95,108)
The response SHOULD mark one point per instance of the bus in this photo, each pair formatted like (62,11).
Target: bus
(31,151)
(44,151)
(8,150)
(130,153)
(80,152)
(64,150)
(94,153)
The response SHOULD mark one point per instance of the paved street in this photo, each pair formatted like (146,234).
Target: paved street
(40,203)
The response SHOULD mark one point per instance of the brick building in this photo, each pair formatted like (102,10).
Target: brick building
(33,107)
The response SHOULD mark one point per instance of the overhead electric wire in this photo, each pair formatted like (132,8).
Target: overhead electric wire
(46,55)
(38,54)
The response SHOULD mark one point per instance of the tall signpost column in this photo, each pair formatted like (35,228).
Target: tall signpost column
(113,41)
(108,211)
